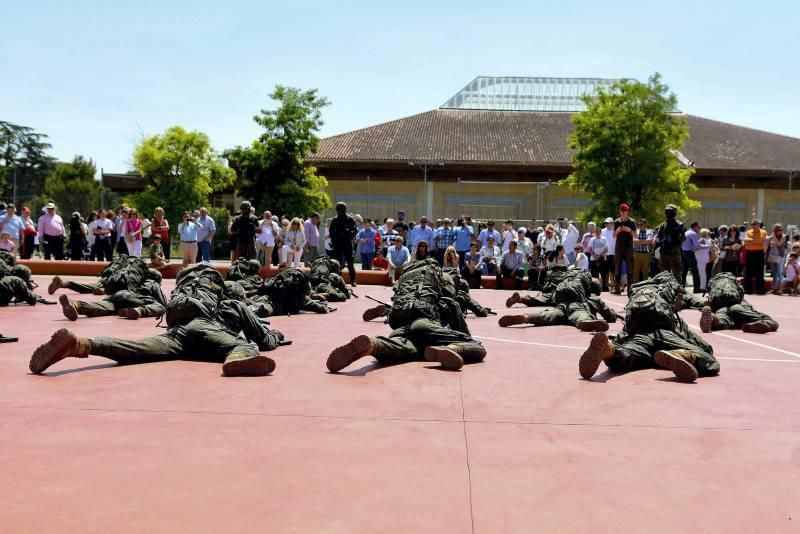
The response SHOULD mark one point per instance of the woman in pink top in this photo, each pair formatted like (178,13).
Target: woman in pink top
(133,234)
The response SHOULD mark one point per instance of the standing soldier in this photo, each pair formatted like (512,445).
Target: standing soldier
(245,227)
(342,232)
(669,237)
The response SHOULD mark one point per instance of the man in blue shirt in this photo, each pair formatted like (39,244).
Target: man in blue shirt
(206,228)
(366,242)
(488,232)
(463,235)
(689,245)
(444,237)
(422,232)
(187,230)
(398,258)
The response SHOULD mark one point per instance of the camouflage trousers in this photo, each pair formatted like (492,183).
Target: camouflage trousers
(121,299)
(12,287)
(737,315)
(407,344)
(84,289)
(671,261)
(637,351)
(571,314)
(199,340)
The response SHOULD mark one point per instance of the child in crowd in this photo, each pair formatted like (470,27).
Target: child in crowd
(157,259)
(6,243)
(379,262)
(791,275)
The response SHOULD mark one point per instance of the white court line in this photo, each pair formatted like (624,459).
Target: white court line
(583,348)
(734,338)
(529,343)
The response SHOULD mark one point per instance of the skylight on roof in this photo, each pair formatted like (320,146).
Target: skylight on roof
(515,93)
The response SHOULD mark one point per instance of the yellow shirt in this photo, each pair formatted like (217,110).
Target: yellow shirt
(758,239)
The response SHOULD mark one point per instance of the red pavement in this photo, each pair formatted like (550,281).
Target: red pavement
(516,444)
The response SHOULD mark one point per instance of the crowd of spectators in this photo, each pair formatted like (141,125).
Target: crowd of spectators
(619,251)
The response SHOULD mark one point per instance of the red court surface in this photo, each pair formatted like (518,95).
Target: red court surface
(518,443)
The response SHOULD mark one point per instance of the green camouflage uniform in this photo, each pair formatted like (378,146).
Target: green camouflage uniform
(202,325)
(652,324)
(425,313)
(15,282)
(731,310)
(326,280)
(573,303)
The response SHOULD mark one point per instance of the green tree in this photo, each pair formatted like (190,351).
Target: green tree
(273,169)
(182,170)
(625,147)
(73,188)
(23,152)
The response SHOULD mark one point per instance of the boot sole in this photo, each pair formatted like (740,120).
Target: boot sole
(684,371)
(69,312)
(54,286)
(511,320)
(706,319)
(374,313)
(513,299)
(257,366)
(756,328)
(343,356)
(47,354)
(132,315)
(595,325)
(448,358)
(591,358)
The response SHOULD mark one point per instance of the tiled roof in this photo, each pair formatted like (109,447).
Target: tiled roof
(530,138)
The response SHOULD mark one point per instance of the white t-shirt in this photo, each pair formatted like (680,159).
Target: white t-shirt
(147,228)
(508,237)
(100,224)
(266,237)
(610,239)
(582,262)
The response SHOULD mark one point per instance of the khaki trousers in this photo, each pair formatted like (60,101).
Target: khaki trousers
(189,253)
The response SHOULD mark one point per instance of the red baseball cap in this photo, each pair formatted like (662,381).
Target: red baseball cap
(624,207)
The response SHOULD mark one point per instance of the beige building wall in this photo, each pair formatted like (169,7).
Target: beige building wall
(525,201)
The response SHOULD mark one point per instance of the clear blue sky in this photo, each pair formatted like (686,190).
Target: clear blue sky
(96,75)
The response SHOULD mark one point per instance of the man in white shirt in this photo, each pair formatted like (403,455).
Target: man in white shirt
(51,233)
(608,234)
(490,255)
(12,224)
(101,229)
(569,238)
(510,266)
(206,228)
(508,234)
(266,239)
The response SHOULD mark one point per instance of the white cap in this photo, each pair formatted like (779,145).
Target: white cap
(50,206)
(609,220)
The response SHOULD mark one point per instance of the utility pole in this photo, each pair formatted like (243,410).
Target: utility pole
(425,166)
(790,174)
